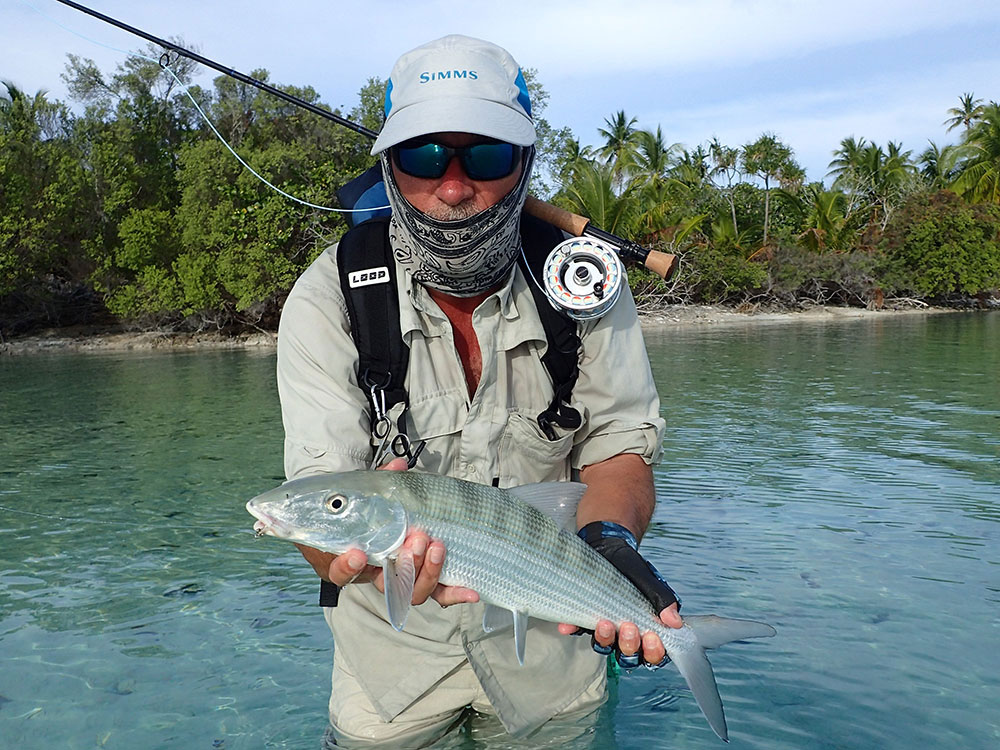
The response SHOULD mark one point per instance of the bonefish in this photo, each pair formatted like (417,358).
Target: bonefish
(515,547)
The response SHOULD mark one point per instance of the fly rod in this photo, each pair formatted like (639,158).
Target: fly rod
(662,264)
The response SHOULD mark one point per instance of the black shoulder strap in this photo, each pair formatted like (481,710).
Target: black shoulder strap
(368,280)
(562,355)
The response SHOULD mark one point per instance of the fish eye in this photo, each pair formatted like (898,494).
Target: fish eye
(336,502)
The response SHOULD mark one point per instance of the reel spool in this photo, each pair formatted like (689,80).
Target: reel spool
(583,277)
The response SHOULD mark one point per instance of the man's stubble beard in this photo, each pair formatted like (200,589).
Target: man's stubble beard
(462,211)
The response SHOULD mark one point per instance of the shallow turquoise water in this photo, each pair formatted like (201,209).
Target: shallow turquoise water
(840,481)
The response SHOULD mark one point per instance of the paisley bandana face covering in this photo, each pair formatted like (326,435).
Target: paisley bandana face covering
(464,257)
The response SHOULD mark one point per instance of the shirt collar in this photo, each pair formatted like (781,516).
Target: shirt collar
(418,312)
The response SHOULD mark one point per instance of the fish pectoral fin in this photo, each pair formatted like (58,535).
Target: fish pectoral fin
(496,618)
(398,577)
(713,631)
(520,634)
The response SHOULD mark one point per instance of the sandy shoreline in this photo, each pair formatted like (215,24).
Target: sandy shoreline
(90,339)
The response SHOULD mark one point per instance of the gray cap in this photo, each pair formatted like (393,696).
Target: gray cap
(456,84)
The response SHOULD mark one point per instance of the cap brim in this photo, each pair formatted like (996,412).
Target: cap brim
(477,116)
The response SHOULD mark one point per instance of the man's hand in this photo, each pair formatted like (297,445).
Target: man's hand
(649,648)
(428,559)
(620,497)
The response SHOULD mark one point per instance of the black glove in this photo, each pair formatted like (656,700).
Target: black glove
(619,546)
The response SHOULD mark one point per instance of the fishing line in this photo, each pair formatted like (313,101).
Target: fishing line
(581,278)
(165,65)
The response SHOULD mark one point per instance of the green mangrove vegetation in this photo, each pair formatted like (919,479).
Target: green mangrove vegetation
(123,205)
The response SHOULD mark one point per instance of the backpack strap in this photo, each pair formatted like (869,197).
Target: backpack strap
(368,280)
(562,355)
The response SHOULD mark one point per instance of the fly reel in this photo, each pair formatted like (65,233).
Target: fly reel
(583,277)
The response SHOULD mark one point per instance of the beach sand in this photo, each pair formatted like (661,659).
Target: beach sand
(92,339)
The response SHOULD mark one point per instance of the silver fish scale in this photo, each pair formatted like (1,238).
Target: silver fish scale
(519,559)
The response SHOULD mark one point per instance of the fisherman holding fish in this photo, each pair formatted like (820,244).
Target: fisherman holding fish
(456,150)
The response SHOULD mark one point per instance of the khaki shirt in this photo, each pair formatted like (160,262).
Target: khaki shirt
(490,436)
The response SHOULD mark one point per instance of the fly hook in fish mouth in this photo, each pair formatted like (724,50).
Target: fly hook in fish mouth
(259,529)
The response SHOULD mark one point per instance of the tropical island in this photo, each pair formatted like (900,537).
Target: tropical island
(126,211)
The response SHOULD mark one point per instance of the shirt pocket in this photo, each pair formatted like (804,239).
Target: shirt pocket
(526,455)
(438,420)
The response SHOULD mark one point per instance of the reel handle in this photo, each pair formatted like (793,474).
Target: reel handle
(662,264)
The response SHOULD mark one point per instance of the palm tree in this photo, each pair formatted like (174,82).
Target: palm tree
(872,177)
(592,193)
(771,160)
(653,157)
(846,160)
(979,178)
(824,218)
(571,153)
(968,111)
(620,141)
(939,166)
(691,167)
(725,162)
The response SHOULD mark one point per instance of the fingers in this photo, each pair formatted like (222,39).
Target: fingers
(632,647)
(416,543)
(428,557)
(428,560)
(629,639)
(448,595)
(350,567)
(604,634)
(671,617)
(652,648)
(396,464)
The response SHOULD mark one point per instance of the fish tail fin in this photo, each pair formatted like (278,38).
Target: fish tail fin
(713,631)
(697,672)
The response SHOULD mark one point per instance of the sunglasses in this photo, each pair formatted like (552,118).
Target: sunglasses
(491,160)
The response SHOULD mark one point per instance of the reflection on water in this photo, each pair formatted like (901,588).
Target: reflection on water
(840,481)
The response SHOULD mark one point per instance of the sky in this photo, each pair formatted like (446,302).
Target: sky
(811,72)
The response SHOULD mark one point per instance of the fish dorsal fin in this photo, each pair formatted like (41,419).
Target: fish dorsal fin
(713,631)
(496,618)
(557,500)
(398,577)
(520,634)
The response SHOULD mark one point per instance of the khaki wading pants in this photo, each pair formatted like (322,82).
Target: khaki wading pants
(355,723)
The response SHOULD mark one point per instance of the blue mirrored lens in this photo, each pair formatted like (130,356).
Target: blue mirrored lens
(481,161)
(428,160)
(489,161)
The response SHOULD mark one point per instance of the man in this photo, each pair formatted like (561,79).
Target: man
(457,149)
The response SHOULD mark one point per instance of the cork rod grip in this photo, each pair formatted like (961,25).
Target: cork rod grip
(663,265)
(559,217)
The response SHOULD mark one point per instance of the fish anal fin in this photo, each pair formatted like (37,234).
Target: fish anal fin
(496,618)
(398,578)
(520,635)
